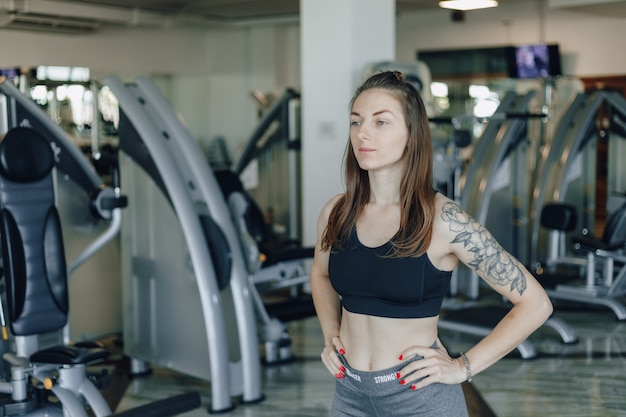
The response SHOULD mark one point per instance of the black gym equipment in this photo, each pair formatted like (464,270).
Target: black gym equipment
(48,373)
(564,189)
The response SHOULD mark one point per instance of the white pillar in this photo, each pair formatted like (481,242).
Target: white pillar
(339,38)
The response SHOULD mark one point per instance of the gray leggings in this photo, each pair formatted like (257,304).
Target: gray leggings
(374,394)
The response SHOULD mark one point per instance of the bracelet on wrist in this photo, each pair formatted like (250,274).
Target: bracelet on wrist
(467,367)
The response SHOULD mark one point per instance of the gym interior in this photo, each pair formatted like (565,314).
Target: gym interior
(162,166)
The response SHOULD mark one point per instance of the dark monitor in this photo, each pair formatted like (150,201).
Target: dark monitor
(10,73)
(534,61)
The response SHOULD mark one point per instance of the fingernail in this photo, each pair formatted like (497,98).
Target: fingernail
(342,375)
(413,387)
(397,375)
(342,351)
(402,382)
(400,357)
(343,369)
(338,375)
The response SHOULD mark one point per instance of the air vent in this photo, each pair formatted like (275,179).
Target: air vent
(44,23)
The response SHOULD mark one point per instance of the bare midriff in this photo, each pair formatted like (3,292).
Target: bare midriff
(375,343)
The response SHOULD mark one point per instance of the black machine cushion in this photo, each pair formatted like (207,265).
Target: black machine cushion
(32,244)
(615,229)
(613,237)
(258,228)
(591,243)
(255,220)
(25,156)
(70,355)
(219,250)
(559,216)
(289,254)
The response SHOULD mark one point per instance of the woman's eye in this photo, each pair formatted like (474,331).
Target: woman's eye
(355,123)
(381,122)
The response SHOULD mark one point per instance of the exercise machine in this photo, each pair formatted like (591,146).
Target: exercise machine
(36,274)
(494,193)
(566,172)
(493,190)
(188,159)
(565,184)
(272,268)
(182,263)
(271,158)
(277,262)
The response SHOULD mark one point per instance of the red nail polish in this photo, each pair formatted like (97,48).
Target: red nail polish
(397,375)
(343,369)
(341,375)
(402,382)
(342,351)
(400,357)
(338,375)
(413,387)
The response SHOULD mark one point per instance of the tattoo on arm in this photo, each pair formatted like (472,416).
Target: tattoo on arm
(489,257)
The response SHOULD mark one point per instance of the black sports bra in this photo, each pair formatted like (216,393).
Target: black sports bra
(370,283)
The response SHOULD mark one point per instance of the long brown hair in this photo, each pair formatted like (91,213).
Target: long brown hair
(416,188)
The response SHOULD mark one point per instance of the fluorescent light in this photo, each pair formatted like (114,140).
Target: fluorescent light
(438,89)
(467,4)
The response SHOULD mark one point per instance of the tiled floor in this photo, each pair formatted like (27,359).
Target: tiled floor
(584,379)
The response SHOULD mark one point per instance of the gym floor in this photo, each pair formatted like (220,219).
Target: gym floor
(583,379)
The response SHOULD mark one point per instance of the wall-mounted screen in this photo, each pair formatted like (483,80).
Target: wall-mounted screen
(534,61)
(10,73)
(539,60)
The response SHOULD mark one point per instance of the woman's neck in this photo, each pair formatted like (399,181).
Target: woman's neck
(384,188)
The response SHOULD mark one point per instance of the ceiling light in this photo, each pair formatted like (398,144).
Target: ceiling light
(467,4)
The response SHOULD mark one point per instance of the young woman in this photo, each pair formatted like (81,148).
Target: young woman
(384,256)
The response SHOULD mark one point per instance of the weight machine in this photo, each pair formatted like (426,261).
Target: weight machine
(494,193)
(48,375)
(566,181)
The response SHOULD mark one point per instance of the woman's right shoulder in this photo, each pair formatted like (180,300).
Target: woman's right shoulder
(328,207)
(331,203)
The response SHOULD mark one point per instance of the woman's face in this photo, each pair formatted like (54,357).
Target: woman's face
(378,131)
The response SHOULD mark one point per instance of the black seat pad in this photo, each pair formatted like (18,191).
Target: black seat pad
(71,355)
(592,243)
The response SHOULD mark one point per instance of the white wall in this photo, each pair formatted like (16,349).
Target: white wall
(588,43)
(124,51)
(333,59)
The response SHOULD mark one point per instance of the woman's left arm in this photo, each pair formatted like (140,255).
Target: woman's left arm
(474,245)
(461,238)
